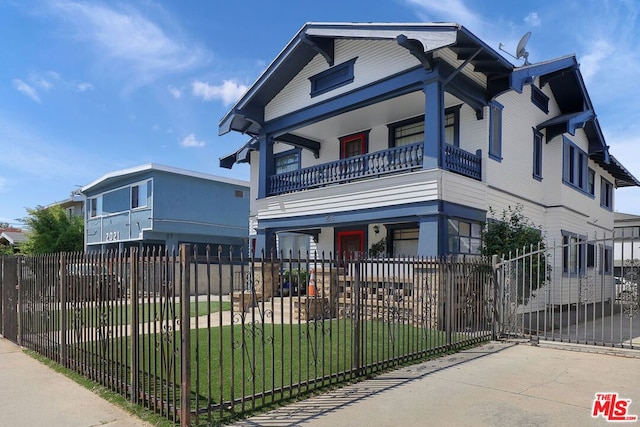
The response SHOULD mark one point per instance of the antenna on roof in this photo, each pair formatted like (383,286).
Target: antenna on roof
(521,51)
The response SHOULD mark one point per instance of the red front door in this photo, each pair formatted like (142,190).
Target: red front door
(350,242)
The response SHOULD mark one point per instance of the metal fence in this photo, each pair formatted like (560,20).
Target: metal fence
(581,291)
(168,331)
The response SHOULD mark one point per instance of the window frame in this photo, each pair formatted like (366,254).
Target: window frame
(364,141)
(570,239)
(537,154)
(459,237)
(606,194)
(142,196)
(495,131)
(575,167)
(453,111)
(295,151)
(332,78)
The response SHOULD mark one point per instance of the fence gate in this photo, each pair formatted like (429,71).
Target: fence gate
(9,298)
(582,291)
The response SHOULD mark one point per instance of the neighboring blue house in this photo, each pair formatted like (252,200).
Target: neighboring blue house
(404,138)
(156,205)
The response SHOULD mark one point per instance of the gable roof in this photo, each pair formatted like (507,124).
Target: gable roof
(246,116)
(13,237)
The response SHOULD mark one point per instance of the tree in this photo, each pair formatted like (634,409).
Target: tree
(51,230)
(513,232)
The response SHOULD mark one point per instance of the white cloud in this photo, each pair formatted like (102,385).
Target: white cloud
(83,87)
(127,41)
(26,89)
(448,11)
(229,91)
(174,91)
(532,19)
(191,141)
(591,62)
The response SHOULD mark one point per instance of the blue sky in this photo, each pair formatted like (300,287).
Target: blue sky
(87,88)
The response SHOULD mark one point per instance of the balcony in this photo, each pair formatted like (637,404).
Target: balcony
(372,165)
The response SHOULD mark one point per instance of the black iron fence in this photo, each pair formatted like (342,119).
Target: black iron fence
(171,333)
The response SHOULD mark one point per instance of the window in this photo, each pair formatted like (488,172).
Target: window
(139,195)
(407,132)
(539,99)
(96,206)
(573,253)
(591,182)
(412,131)
(293,245)
(288,161)
(464,237)
(452,126)
(495,132)
(405,241)
(354,145)
(537,155)
(239,194)
(575,170)
(332,78)
(606,194)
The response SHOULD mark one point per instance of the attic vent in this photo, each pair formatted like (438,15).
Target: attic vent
(240,194)
(539,99)
(332,78)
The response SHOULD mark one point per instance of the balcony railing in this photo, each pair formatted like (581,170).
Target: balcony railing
(457,160)
(372,165)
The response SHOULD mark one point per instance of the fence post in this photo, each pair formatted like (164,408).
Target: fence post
(497,299)
(358,315)
(62,283)
(19,299)
(450,311)
(185,336)
(135,325)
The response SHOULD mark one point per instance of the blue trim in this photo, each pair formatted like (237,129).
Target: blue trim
(333,78)
(606,198)
(297,151)
(580,172)
(428,229)
(537,155)
(463,212)
(391,87)
(495,113)
(434,124)
(265,167)
(524,75)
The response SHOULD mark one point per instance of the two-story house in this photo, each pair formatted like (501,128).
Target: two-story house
(415,133)
(162,206)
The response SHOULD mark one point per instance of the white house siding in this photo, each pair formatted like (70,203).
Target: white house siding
(377,59)
(393,190)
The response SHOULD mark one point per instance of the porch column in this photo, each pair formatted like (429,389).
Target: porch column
(266,167)
(265,242)
(428,236)
(433,123)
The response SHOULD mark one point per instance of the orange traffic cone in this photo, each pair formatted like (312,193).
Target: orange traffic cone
(311,289)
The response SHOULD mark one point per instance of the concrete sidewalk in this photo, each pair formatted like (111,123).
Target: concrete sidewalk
(32,394)
(497,384)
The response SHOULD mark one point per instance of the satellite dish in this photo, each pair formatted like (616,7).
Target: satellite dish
(521,52)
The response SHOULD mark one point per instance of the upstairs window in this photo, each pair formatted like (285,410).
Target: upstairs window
(591,182)
(495,132)
(539,99)
(332,78)
(287,161)
(96,207)
(537,155)
(139,195)
(575,169)
(411,131)
(606,194)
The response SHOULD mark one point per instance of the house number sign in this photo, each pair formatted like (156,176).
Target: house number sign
(112,236)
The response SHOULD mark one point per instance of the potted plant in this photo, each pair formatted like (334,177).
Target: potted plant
(294,282)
